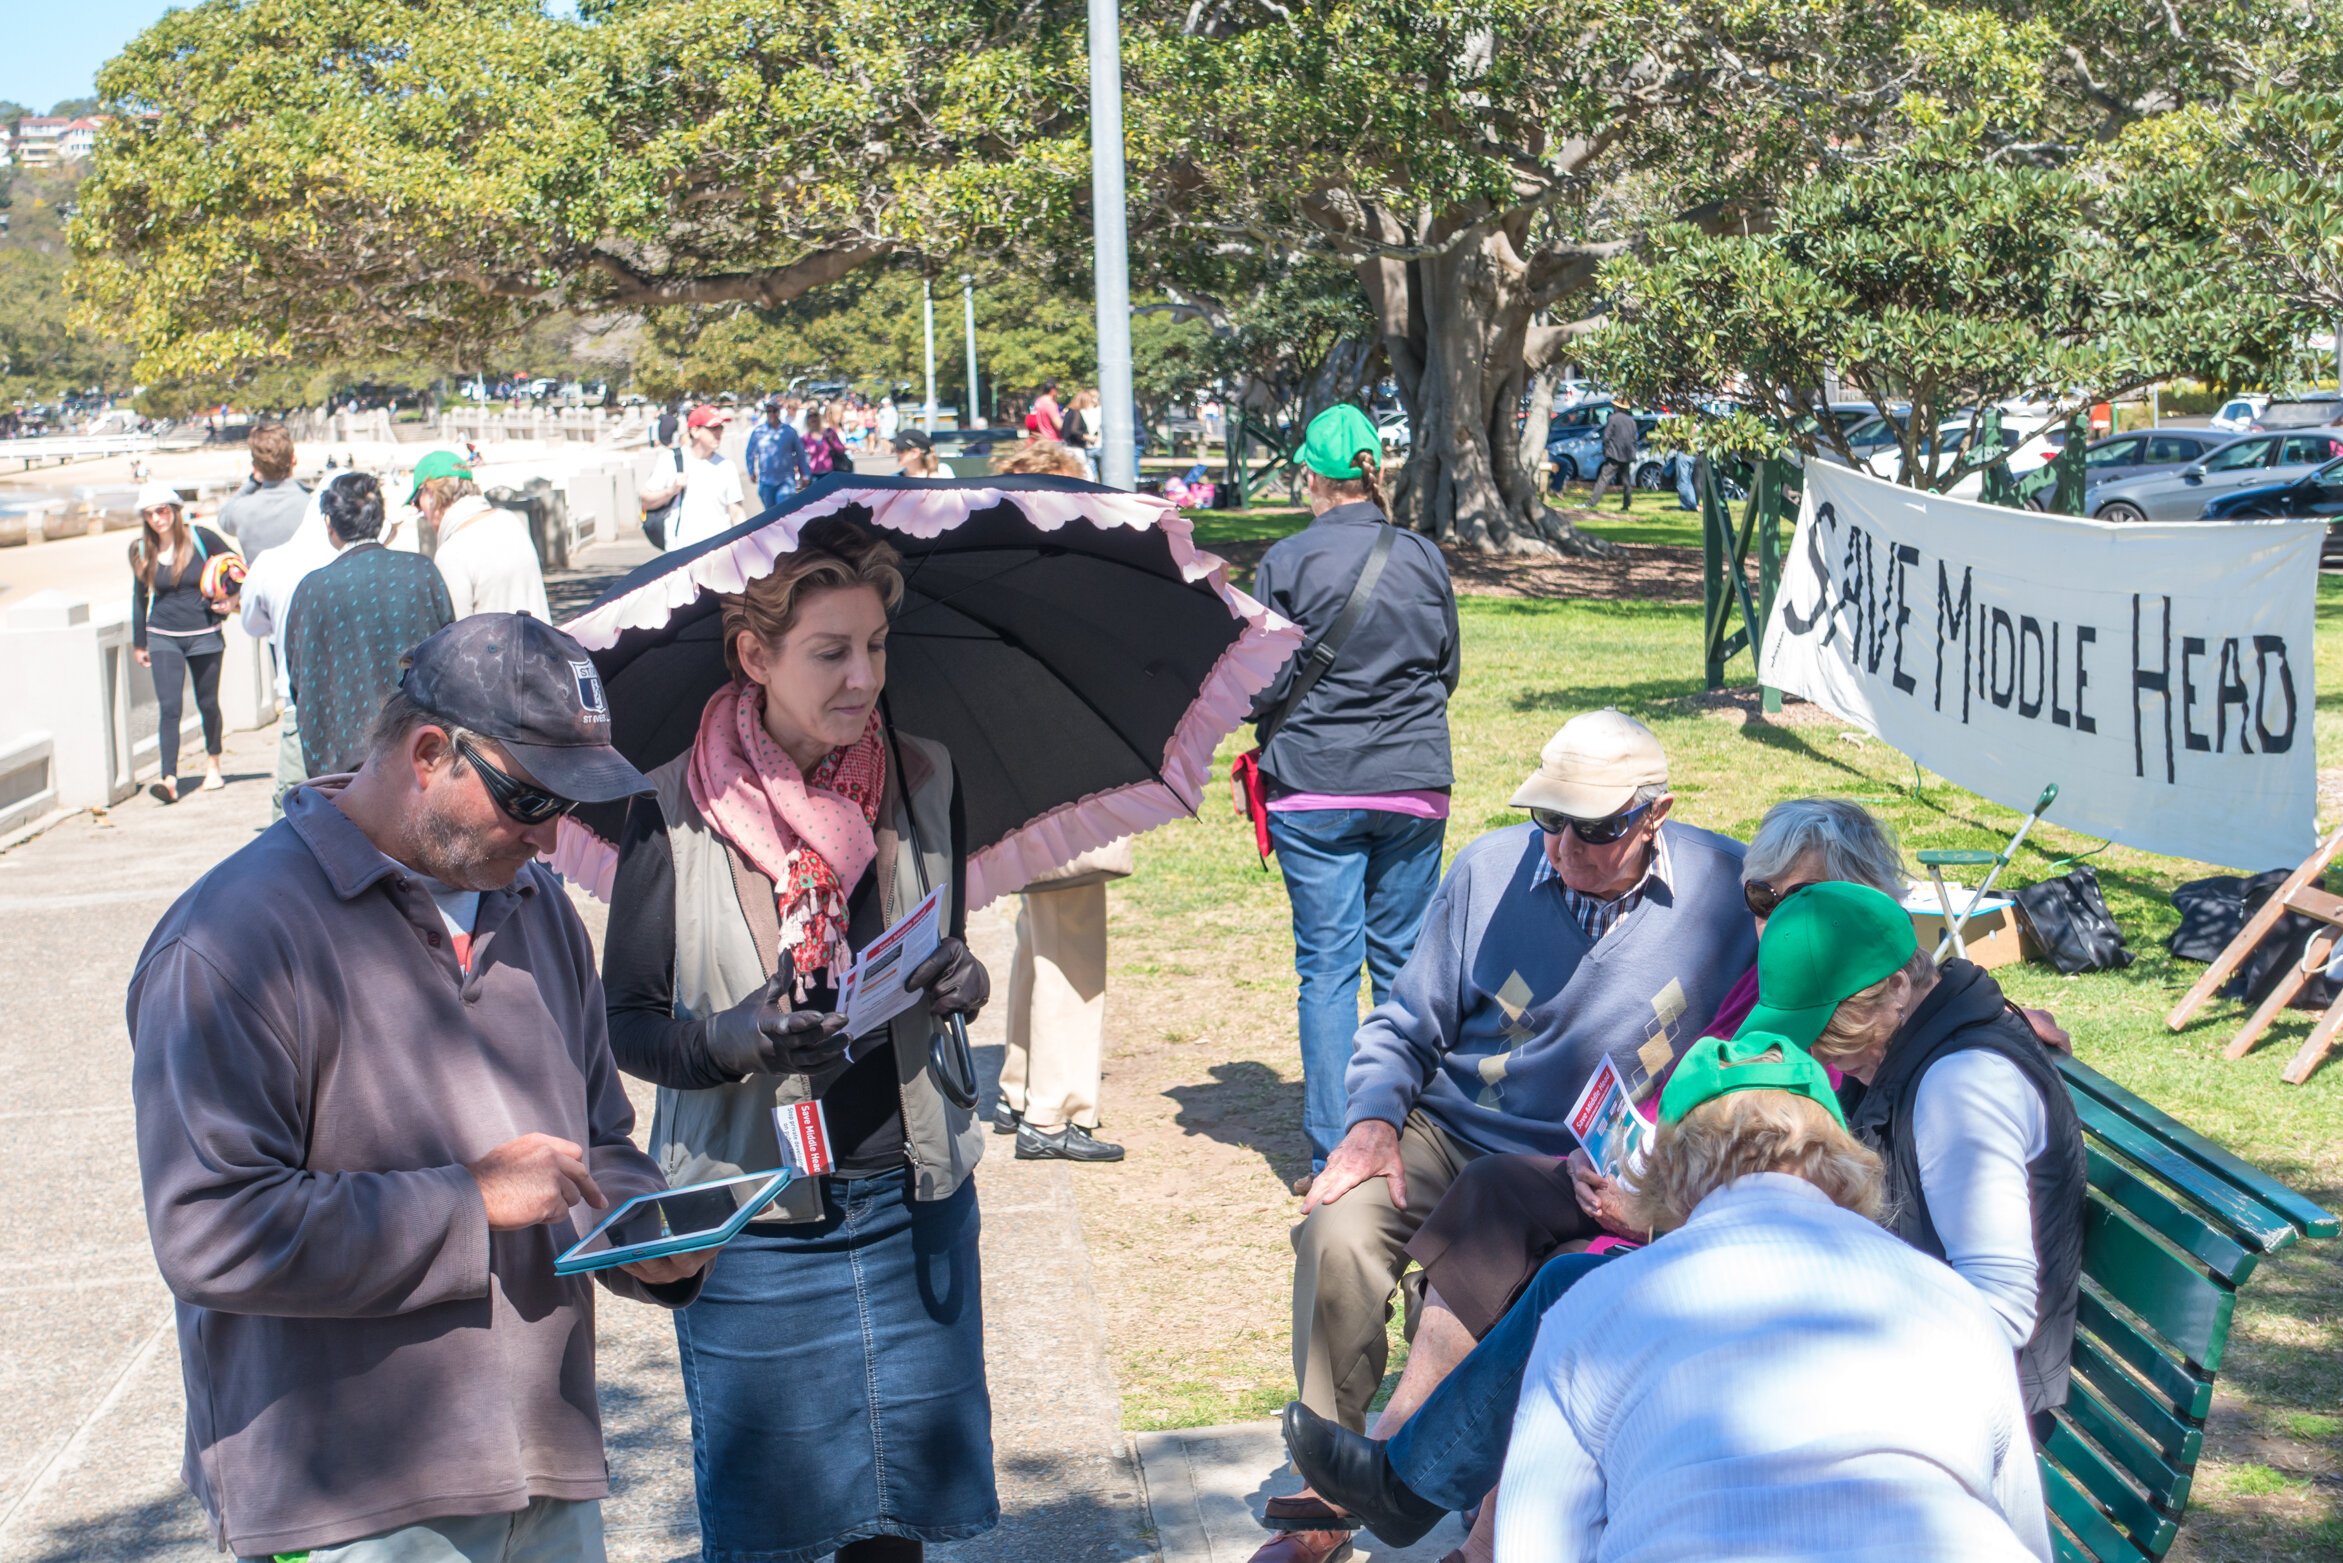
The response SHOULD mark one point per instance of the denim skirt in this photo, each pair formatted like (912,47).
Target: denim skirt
(835,1373)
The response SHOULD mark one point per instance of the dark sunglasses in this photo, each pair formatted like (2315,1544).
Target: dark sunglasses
(1594,832)
(1763,899)
(522,804)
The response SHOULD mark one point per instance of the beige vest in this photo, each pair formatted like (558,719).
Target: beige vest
(728,1129)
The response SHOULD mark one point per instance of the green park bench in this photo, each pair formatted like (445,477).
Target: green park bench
(2175,1226)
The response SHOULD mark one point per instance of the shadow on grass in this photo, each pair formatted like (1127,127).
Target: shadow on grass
(1249,1106)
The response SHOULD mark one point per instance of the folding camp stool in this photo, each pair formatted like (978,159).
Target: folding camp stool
(1937,862)
(2300,893)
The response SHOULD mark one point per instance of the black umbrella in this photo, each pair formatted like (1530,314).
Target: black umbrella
(1066,642)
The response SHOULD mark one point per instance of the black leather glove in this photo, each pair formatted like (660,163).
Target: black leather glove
(760,1036)
(955,980)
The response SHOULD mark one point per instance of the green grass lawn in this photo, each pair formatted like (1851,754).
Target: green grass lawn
(1201,908)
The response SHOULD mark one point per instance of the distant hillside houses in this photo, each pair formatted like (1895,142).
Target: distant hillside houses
(48,140)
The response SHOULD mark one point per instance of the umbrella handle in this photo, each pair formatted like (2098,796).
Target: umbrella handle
(954,1065)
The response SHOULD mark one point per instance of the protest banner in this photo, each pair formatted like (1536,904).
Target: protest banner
(2160,673)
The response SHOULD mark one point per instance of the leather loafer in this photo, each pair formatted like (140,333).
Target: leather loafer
(1353,1472)
(1071,1142)
(1006,1119)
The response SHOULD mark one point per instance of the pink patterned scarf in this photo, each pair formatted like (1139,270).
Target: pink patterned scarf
(811,835)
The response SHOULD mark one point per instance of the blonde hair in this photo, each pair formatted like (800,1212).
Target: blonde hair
(831,554)
(1742,1132)
(1047,457)
(1869,1015)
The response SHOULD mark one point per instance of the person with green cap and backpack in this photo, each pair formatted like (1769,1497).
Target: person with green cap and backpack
(1349,786)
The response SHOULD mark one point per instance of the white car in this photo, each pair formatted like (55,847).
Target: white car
(2038,440)
(2237,414)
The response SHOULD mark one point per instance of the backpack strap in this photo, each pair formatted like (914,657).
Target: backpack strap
(1319,656)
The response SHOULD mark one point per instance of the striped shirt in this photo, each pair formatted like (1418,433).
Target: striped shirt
(1596,916)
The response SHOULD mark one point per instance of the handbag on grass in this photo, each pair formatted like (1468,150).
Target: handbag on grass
(1245,774)
(2069,919)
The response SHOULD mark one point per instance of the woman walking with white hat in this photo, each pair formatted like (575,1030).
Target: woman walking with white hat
(184,582)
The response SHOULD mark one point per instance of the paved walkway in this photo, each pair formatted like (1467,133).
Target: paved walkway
(89,1372)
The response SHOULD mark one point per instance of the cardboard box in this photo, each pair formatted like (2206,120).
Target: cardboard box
(1991,936)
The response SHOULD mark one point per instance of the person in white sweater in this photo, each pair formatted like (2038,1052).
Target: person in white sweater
(1780,1378)
(486,554)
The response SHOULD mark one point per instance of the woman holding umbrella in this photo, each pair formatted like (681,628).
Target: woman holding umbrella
(834,1364)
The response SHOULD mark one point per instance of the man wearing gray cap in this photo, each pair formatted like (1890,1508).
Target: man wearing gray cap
(1599,929)
(375,1098)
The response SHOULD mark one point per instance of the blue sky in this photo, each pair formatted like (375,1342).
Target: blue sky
(54,50)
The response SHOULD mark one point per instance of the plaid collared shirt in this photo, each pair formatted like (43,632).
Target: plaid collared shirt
(1599,917)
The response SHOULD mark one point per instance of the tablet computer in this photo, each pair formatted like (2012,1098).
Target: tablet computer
(674,1221)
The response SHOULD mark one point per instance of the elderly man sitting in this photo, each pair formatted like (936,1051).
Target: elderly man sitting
(1599,928)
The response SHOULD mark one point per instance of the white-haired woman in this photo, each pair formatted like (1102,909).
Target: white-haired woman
(1780,1378)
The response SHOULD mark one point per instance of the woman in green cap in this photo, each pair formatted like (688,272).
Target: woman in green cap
(1354,761)
(1984,1152)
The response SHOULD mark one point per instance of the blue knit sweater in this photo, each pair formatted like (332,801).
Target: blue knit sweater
(1499,1017)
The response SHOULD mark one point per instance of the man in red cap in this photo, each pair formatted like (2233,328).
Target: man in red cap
(713,500)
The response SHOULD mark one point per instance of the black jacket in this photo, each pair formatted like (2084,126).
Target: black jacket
(1966,1011)
(1378,720)
(1620,435)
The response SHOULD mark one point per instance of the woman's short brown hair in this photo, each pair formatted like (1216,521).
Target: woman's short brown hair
(1731,1136)
(830,554)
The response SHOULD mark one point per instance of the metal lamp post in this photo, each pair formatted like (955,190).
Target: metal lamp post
(968,320)
(1118,452)
(927,306)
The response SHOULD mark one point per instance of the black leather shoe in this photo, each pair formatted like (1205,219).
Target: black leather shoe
(1071,1143)
(1352,1472)
(1006,1119)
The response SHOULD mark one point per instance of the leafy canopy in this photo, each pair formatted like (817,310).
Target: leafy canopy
(345,177)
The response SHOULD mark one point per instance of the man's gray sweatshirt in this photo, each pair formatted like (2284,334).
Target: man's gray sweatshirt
(1498,1019)
(312,1072)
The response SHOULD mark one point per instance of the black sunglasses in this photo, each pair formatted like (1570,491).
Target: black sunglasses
(1763,899)
(522,804)
(1594,832)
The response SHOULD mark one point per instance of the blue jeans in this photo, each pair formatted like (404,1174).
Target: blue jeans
(835,1374)
(771,494)
(1453,1449)
(1360,881)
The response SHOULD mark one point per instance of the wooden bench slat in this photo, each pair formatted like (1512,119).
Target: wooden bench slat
(2266,1229)
(2308,1217)
(2189,1393)
(2128,1447)
(2149,1527)
(2160,1213)
(2185,1306)
(2175,1439)
(2097,1533)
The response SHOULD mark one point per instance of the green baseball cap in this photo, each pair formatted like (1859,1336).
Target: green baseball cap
(1752,1061)
(438,464)
(1334,437)
(1823,943)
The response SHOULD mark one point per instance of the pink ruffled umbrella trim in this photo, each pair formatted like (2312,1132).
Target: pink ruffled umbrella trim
(1065,833)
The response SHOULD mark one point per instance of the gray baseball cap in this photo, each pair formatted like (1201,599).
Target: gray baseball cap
(520,681)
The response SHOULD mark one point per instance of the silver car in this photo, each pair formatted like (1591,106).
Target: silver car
(2120,458)
(2181,494)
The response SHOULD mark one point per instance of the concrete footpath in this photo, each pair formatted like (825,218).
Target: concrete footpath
(89,1369)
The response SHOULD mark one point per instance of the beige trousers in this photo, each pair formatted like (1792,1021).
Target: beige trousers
(1347,1261)
(1057,1008)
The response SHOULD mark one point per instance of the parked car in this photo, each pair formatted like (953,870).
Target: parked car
(2318,492)
(2036,440)
(2318,409)
(2237,414)
(2255,461)
(2121,457)
(1868,436)
(1574,444)
(1392,426)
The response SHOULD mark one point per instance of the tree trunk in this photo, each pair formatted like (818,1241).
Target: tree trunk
(1455,327)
